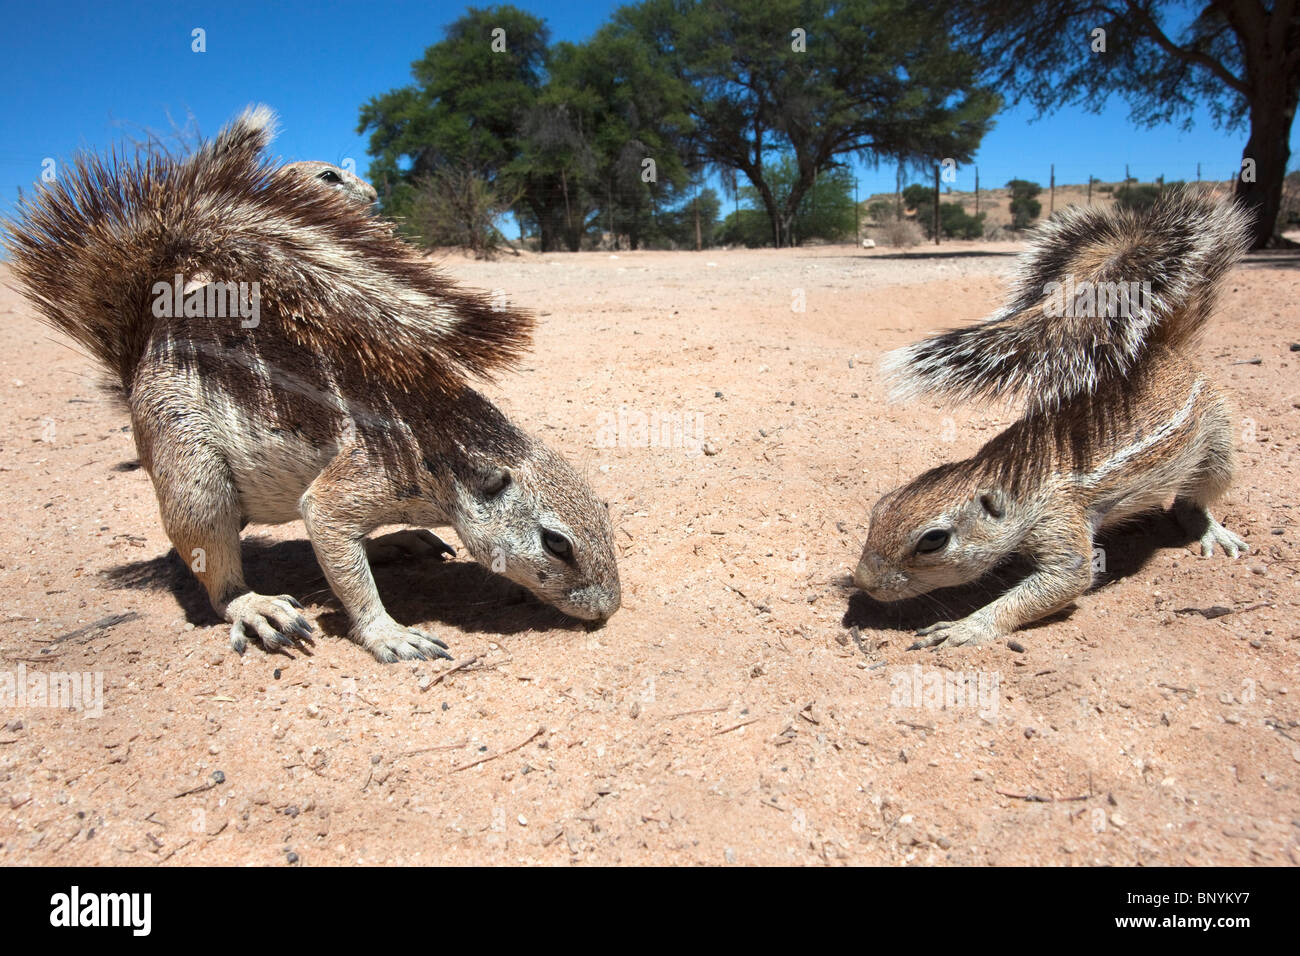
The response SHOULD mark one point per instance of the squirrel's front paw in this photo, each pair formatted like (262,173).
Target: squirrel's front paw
(968,632)
(411,542)
(390,642)
(274,621)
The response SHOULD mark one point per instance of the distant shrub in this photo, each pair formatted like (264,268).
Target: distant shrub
(900,234)
(880,211)
(457,207)
(1141,196)
(956,223)
(1024,207)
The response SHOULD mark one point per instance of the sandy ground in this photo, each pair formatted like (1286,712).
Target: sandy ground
(730,713)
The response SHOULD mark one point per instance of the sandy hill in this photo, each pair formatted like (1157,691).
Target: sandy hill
(996,201)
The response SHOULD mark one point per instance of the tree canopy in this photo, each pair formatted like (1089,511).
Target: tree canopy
(818,80)
(1239,58)
(612,136)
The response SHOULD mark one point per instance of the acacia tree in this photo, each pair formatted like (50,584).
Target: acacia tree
(817,79)
(465,107)
(553,170)
(562,132)
(630,112)
(1241,58)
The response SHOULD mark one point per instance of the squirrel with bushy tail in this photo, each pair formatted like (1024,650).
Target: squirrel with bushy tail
(1098,344)
(285,356)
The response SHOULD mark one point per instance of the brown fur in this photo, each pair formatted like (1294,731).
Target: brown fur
(334,279)
(1081,459)
(347,405)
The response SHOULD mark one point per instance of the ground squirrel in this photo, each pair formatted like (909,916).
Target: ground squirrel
(284,355)
(1097,342)
(334,177)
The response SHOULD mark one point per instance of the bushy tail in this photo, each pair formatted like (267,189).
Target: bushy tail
(90,249)
(1097,290)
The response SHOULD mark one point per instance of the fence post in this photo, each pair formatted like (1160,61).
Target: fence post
(936,205)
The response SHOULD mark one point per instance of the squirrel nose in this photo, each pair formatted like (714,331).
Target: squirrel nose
(867,573)
(598,603)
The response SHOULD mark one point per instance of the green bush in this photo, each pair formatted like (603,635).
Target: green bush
(1141,196)
(1024,207)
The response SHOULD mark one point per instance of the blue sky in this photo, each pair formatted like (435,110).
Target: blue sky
(84,75)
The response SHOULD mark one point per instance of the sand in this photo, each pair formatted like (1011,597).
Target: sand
(745,706)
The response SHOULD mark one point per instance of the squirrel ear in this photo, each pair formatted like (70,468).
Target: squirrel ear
(993,503)
(496,481)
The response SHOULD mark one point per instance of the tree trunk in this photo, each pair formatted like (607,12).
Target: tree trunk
(1272,111)
(545,230)
(798,190)
(546,236)
(769,204)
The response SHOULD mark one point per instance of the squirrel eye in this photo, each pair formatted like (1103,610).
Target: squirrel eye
(329,176)
(557,544)
(932,541)
(496,481)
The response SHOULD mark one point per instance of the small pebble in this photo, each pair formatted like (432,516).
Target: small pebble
(291,857)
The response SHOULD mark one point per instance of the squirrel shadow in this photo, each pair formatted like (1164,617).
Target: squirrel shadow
(457,593)
(1118,553)
(1286,258)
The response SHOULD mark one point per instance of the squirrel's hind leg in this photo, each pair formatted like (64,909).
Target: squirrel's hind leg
(199,504)
(1210,480)
(407,543)
(1195,519)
